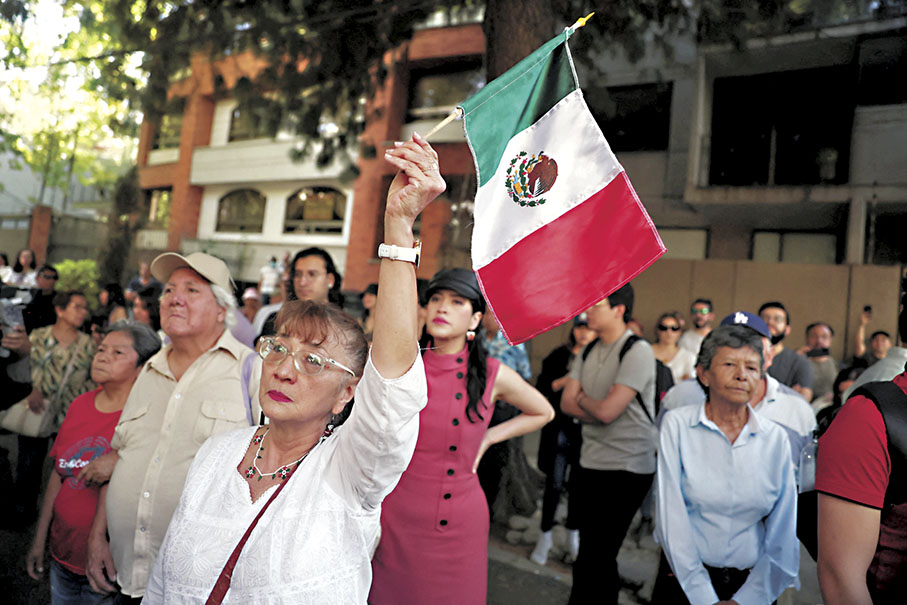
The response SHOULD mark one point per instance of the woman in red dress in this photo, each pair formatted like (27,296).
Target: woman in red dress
(434,525)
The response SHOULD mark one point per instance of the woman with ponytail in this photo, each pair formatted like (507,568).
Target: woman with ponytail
(434,540)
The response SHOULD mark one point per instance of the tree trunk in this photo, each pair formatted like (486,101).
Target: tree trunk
(515,29)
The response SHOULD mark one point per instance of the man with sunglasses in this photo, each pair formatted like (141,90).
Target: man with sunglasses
(40,311)
(702,315)
(193,388)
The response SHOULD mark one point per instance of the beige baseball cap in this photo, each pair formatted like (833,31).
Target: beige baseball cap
(210,267)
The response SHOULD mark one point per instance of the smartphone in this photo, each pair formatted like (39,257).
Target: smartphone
(818,353)
(867,309)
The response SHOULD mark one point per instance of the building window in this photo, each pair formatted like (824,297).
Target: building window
(159,205)
(241,211)
(883,71)
(786,128)
(167,132)
(433,93)
(687,244)
(885,227)
(315,210)
(634,118)
(795,247)
(254,122)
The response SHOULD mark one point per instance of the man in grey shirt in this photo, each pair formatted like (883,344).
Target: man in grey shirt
(617,460)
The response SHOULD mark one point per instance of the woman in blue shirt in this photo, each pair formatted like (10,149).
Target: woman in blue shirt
(726,500)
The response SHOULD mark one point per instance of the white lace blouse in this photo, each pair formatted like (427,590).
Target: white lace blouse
(313,543)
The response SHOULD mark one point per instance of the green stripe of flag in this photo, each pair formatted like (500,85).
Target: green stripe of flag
(514,101)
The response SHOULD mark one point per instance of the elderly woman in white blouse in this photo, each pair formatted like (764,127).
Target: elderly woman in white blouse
(289,512)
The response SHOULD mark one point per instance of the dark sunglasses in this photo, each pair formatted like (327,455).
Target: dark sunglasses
(664,328)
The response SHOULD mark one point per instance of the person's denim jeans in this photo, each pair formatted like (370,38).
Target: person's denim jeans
(69,588)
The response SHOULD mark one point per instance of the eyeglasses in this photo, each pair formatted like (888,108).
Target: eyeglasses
(664,328)
(273,351)
(703,311)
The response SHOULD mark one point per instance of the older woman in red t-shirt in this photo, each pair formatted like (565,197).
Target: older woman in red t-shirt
(71,497)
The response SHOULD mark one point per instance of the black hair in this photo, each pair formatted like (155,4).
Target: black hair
(115,297)
(623,296)
(902,316)
(701,301)
(18,268)
(476,371)
(334,294)
(46,267)
(61,299)
(668,315)
(774,304)
(150,297)
(5,259)
(827,414)
(421,288)
(880,332)
(816,324)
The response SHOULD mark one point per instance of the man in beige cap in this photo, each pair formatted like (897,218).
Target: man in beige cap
(192,389)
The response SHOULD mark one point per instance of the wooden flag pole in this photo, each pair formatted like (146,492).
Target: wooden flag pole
(453,115)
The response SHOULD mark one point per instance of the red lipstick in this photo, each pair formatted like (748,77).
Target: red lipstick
(278,396)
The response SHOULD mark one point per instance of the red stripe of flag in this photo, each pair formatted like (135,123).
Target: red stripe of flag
(568,265)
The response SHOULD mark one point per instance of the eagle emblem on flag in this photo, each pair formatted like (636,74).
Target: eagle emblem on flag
(530,177)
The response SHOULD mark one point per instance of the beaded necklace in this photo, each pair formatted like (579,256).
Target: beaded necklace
(284,471)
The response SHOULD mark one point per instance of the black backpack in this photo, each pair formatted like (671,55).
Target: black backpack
(891,402)
(664,380)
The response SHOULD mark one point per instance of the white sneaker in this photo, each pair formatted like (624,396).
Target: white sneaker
(573,544)
(540,553)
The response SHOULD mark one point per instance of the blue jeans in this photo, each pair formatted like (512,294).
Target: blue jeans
(69,588)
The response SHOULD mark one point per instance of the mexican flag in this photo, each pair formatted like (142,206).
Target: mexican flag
(558,226)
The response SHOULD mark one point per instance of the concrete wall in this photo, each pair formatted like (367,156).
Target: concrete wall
(832,293)
(75,238)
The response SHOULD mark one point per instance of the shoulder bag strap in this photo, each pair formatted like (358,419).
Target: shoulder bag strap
(66,374)
(222,585)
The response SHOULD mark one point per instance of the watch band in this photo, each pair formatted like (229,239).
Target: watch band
(392,252)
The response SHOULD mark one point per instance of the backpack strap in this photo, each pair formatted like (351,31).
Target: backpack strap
(588,348)
(628,344)
(891,402)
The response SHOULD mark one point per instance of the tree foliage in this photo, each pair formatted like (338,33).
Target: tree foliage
(324,58)
(55,114)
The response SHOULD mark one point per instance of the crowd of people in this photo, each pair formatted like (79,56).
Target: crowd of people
(286,451)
